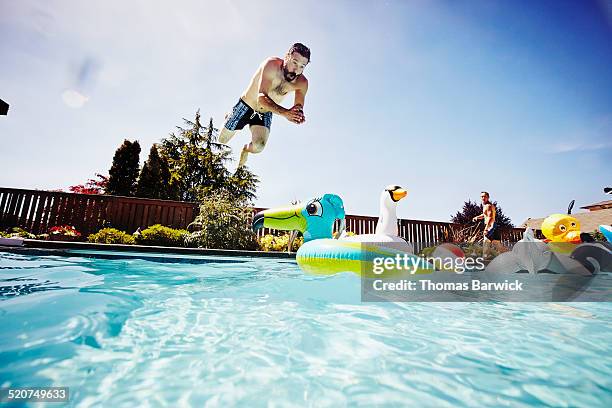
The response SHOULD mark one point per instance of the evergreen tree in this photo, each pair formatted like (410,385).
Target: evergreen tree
(125,168)
(242,185)
(198,163)
(154,180)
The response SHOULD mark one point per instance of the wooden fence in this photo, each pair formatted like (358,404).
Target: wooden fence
(36,211)
(418,231)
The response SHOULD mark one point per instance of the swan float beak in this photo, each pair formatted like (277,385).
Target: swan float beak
(398,194)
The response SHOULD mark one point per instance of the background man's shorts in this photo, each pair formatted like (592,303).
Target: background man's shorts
(493,234)
(242,115)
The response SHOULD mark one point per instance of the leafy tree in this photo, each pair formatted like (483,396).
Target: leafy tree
(125,168)
(198,164)
(468,212)
(472,209)
(154,180)
(92,186)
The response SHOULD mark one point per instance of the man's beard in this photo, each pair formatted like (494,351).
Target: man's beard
(289,76)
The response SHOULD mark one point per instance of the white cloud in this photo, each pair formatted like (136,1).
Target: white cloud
(591,136)
(74,99)
(567,147)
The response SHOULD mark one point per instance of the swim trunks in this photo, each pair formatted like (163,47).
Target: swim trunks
(243,114)
(493,234)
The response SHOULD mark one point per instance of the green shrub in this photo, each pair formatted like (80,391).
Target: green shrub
(160,235)
(111,236)
(279,243)
(224,222)
(17,232)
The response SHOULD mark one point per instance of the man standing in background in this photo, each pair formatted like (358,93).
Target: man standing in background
(491,233)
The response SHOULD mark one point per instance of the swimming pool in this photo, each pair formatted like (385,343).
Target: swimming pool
(252,332)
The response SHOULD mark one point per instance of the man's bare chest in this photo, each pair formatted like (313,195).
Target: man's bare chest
(281,87)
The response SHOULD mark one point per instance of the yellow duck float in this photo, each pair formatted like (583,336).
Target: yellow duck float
(562,231)
(561,228)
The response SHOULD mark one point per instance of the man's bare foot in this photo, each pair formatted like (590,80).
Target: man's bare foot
(243,157)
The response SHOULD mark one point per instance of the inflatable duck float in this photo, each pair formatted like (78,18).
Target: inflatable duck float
(323,254)
(562,231)
(565,250)
(533,256)
(561,228)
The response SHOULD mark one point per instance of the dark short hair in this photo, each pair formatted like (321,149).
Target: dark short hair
(301,49)
(485,192)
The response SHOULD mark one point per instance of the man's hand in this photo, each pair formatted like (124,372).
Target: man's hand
(475,219)
(300,109)
(295,114)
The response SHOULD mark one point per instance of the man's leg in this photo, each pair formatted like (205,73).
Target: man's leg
(486,246)
(234,121)
(258,142)
(226,135)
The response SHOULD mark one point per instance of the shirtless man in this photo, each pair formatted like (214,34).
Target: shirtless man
(491,232)
(275,78)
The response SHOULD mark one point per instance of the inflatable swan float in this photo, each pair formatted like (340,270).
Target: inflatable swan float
(386,228)
(321,253)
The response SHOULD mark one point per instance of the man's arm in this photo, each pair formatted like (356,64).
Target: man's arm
(300,96)
(488,212)
(300,93)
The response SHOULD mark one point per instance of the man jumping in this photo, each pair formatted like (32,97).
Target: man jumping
(273,80)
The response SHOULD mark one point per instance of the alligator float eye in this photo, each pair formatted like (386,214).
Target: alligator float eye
(562,228)
(314,208)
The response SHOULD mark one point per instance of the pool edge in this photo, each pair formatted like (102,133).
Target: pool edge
(58,247)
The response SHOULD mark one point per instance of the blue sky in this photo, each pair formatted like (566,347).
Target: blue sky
(443,98)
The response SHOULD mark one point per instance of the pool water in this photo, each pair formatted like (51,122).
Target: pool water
(253,332)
